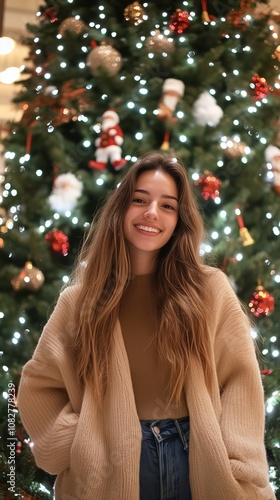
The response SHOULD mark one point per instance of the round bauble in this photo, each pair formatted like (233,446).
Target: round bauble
(233,148)
(134,13)
(72,24)
(261,303)
(179,21)
(104,57)
(209,186)
(30,278)
(58,241)
(160,43)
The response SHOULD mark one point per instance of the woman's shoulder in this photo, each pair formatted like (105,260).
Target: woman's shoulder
(65,303)
(219,283)
(215,274)
(69,293)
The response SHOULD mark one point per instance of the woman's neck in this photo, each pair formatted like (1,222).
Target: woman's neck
(143,264)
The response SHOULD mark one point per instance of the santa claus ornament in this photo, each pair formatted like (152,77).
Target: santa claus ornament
(67,189)
(108,145)
(172,91)
(272,156)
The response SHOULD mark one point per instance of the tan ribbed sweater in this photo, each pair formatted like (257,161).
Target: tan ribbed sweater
(96,453)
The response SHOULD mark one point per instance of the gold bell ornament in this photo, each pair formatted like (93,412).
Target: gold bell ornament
(243,231)
(30,278)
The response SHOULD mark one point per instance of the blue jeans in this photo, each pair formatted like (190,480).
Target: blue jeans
(164,461)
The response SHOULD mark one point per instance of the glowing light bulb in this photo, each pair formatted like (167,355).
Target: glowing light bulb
(7,45)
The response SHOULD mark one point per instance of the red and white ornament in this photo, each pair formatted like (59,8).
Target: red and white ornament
(19,447)
(172,91)
(67,189)
(109,143)
(261,303)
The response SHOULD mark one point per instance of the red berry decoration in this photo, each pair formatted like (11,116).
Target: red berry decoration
(179,21)
(58,240)
(209,186)
(262,303)
(260,87)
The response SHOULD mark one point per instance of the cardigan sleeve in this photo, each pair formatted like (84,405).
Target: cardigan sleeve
(43,397)
(242,398)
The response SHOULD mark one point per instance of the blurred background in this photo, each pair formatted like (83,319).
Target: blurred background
(14,15)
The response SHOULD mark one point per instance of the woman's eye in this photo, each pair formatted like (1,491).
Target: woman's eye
(169,207)
(137,200)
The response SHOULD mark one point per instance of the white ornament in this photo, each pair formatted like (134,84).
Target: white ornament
(66,191)
(206,110)
(272,156)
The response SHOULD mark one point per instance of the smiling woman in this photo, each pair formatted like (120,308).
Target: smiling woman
(144,380)
(151,219)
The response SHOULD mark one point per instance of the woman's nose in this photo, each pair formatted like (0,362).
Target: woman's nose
(152,211)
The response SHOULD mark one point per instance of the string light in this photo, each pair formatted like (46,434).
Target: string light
(7,45)
(223,214)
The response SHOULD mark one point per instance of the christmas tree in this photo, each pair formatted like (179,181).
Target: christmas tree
(103,84)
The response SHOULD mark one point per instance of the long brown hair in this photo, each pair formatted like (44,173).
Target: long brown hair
(103,269)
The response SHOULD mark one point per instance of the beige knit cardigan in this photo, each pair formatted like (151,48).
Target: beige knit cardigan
(95,454)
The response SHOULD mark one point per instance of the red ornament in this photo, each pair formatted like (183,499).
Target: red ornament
(58,240)
(262,303)
(51,14)
(179,21)
(19,447)
(260,87)
(266,372)
(237,18)
(209,186)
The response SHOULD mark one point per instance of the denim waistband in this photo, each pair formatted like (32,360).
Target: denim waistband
(166,428)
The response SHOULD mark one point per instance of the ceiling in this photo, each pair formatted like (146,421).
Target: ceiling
(17,13)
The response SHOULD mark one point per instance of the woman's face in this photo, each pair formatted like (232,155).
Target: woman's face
(152,216)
